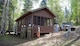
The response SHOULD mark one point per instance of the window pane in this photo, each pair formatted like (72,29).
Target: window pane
(48,22)
(38,21)
(45,21)
(19,22)
(26,21)
(30,19)
(51,22)
(34,20)
(42,21)
(23,21)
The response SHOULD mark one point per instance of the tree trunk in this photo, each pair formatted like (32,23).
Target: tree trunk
(3,20)
(13,21)
(5,17)
(9,19)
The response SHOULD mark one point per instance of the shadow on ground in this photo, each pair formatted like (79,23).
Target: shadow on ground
(69,44)
(12,40)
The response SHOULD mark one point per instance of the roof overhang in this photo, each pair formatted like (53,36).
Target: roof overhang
(36,10)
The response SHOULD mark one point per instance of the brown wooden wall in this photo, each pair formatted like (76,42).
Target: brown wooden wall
(43,13)
(43,29)
(25,21)
(29,18)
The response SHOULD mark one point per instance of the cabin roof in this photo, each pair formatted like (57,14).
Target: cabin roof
(36,10)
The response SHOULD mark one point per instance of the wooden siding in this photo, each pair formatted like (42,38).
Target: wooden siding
(44,29)
(29,18)
(43,13)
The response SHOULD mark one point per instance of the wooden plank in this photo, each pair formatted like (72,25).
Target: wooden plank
(36,20)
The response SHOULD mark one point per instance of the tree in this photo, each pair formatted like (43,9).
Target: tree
(1,6)
(27,5)
(3,24)
(7,21)
(75,11)
(43,3)
(55,7)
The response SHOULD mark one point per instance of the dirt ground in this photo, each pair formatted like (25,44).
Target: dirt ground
(76,43)
(11,40)
(52,39)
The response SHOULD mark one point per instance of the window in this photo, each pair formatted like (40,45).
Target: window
(42,21)
(30,19)
(51,22)
(19,22)
(38,21)
(34,20)
(48,22)
(22,21)
(26,21)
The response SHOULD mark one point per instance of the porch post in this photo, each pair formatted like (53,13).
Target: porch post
(32,27)
(32,21)
(53,24)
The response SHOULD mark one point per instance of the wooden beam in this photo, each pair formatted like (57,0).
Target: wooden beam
(49,22)
(40,21)
(36,20)
(32,21)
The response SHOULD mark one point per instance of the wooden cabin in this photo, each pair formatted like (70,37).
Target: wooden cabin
(41,16)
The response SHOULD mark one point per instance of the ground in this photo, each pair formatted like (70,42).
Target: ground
(11,40)
(53,39)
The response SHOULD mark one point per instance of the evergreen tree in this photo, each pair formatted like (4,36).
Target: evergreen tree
(43,3)
(27,5)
